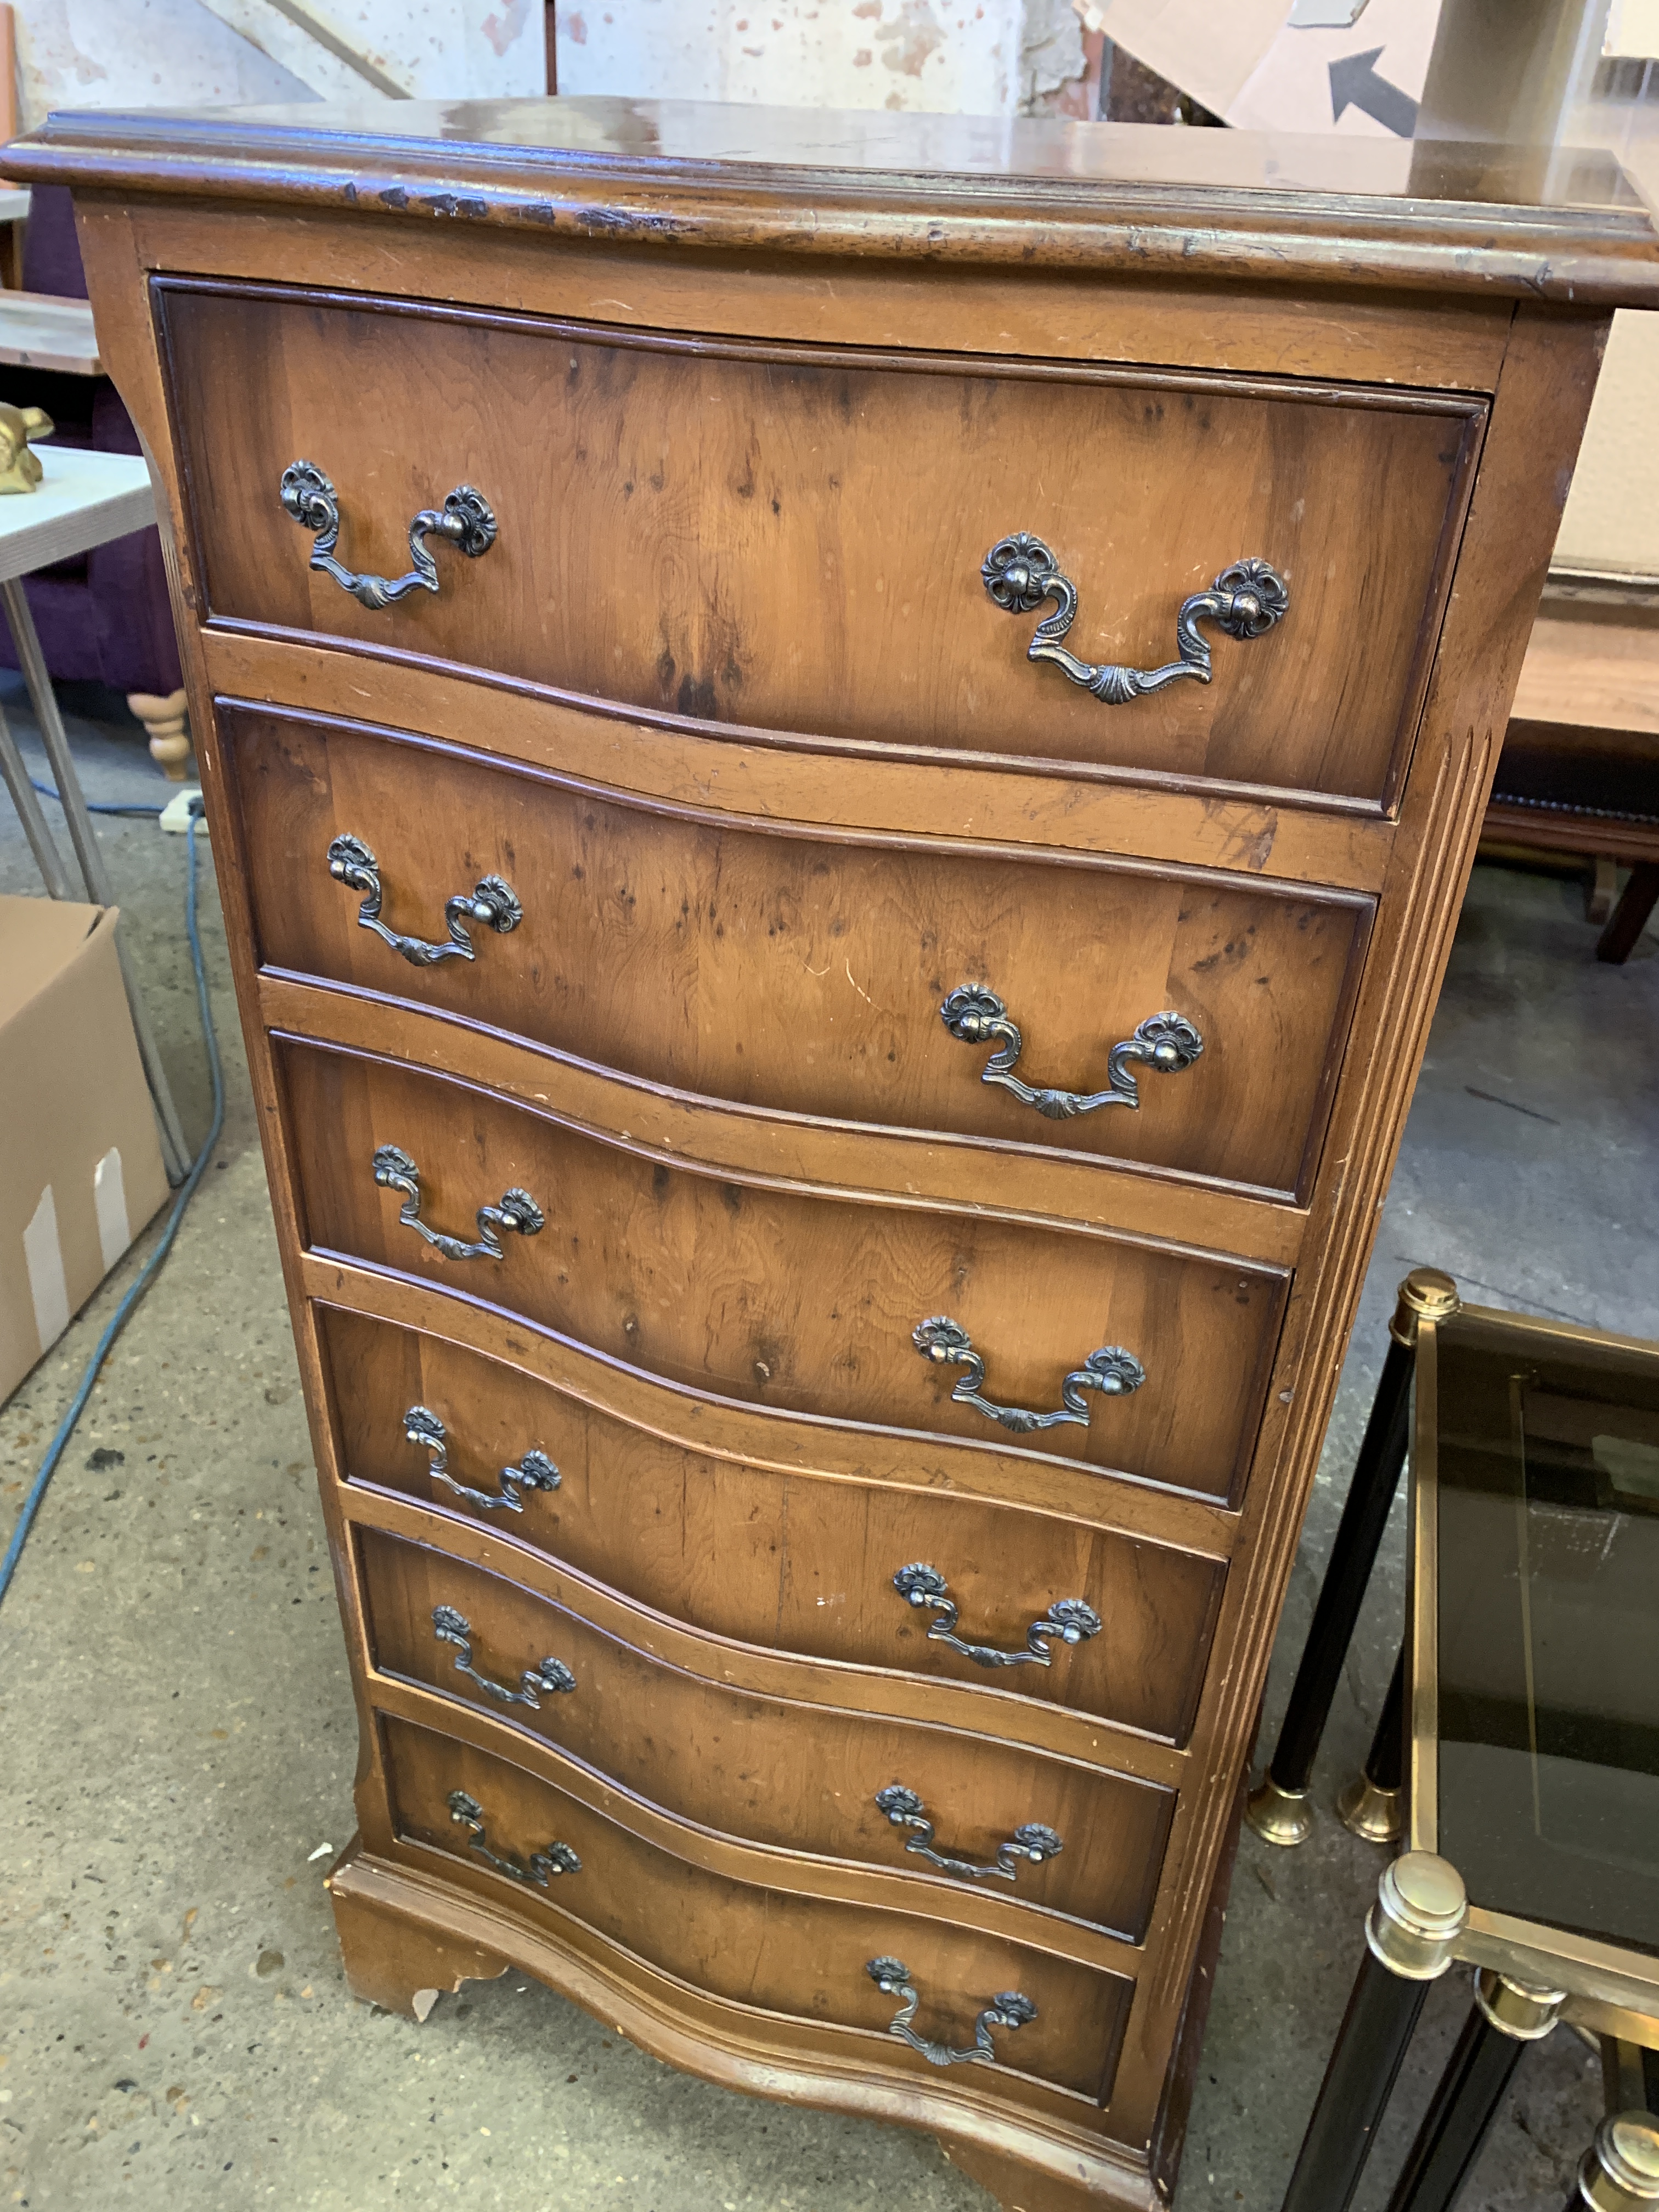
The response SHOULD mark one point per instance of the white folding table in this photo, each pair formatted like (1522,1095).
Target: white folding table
(85,499)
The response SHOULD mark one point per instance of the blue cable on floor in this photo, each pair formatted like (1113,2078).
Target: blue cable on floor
(93,805)
(148,1272)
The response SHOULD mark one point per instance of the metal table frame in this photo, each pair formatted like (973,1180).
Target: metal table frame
(86,500)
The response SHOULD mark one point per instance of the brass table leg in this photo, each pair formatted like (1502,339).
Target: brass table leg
(1620,2171)
(1410,1935)
(1505,2017)
(1279,1810)
(1373,1807)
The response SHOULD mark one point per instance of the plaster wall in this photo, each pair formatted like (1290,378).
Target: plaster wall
(933,56)
(183,53)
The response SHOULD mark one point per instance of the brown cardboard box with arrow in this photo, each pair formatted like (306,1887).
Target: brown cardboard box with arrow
(1260,66)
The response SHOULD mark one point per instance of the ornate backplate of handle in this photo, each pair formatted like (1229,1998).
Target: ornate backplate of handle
(1009,2010)
(1111,1371)
(395,1170)
(542,1867)
(492,901)
(464,521)
(1020,573)
(1030,1842)
(1165,1042)
(452,1627)
(1069,1621)
(535,1471)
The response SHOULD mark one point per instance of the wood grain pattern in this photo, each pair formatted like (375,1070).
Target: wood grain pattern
(670,1125)
(1320,213)
(1392,288)
(406,1927)
(723,1429)
(1543,402)
(787,541)
(802,1304)
(803,977)
(781,1563)
(1436,344)
(1327,843)
(793,1955)
(730,1761)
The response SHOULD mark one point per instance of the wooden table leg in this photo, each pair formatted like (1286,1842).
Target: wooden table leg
(164,724)
(1629,918)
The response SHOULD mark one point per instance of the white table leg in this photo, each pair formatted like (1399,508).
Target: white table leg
(35,828)
(94,875)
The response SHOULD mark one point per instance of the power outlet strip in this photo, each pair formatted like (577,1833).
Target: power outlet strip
(175,815)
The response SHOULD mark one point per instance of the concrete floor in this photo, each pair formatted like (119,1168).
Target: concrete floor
(175,2031)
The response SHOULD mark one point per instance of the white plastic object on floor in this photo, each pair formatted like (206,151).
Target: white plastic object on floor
(175,815)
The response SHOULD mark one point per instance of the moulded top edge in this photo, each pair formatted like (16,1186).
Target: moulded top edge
(1516,221)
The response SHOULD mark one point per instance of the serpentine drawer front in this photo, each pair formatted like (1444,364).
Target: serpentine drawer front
(787,540)
(784,1561)
(1094,1347)
(860,983)
(842,755)
(1042,1832)
(739,1938)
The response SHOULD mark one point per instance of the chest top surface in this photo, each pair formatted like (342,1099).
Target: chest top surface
(1523,222)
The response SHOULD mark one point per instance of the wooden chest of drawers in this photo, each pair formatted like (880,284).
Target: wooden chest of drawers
(824,1142)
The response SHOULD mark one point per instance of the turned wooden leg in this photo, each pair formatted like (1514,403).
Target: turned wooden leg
(164,723)
(402,1965)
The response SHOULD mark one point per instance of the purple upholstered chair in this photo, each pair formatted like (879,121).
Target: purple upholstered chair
(104,616)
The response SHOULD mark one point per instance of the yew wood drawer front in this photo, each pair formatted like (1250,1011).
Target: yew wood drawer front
(810,978)
(773,1559)
(527,1844)
(800,1778)
(1087,1346)
(792,540)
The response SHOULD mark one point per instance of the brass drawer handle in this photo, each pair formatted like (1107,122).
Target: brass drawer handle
(491,900)
(1030,1841)
(464,521)
(975,1015)
(452,1627)
(1020,573)
(543,1866)
(1069,1621)
(395,1170)
(1009,2010)
(1111,1371)
(535,1471)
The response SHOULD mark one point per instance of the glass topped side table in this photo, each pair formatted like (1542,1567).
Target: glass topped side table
(1533,1704)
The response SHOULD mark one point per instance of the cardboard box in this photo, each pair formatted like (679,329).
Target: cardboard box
(80,1169)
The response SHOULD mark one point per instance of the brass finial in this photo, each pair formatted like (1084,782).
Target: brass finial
(1420,1908)
(1426,1294)
(1620,2171)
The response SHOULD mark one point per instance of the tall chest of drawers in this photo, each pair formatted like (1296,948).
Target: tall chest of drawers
(842,754)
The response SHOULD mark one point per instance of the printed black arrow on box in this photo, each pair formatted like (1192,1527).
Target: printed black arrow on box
(1355,83)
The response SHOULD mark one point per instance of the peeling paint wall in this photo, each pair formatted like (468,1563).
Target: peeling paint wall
(933,56)
(136,53)
(183,53)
